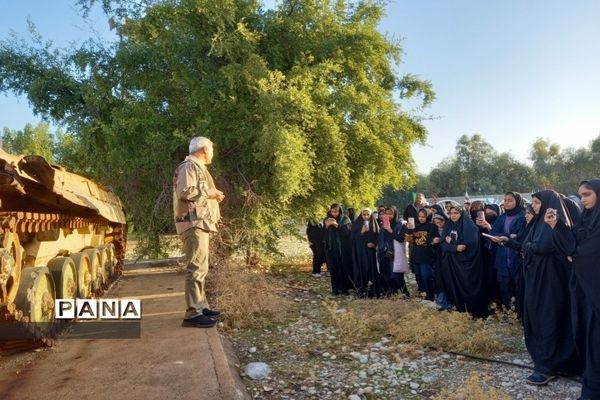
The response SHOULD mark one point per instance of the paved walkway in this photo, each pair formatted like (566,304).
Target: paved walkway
(167,362)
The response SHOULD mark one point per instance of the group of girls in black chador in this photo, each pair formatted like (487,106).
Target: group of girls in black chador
(541,260)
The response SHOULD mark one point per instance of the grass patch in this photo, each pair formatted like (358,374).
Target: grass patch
(475,387)
(445,331)
(410,322)
(248,298)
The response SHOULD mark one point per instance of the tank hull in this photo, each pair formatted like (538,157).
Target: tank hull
(61,234)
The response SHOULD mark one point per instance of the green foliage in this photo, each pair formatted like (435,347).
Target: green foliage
(299,101)
(36,140)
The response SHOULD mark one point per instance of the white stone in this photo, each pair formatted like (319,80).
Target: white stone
(252,350)
(257,370)
(362,375)
(414,385)
(326,355)
(354,397)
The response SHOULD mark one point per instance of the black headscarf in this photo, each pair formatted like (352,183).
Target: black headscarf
(540,234)
(573,208)
(333,240)
(520,203)
(437,209)
(467,231)
(496,209)
(359,221)
(396,218)
(427,213)
(352,214)
(588,233)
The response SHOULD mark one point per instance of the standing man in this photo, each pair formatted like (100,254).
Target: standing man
(196,210)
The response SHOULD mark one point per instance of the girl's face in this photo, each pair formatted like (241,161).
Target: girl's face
(509,202)
(366,215)
(454,215)
(422,217)
(440,223)
(536,204)
(588,197)
(335,212)
(390,214)
(528,217)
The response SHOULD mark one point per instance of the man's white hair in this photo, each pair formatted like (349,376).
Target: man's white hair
(199,143)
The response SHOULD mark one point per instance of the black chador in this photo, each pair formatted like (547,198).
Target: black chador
(365,233)
(582,242)
(462,272)
(338,251)
(547,305)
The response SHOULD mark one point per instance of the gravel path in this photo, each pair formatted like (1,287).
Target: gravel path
(309,360)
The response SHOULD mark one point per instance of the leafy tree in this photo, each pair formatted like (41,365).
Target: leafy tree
(473,156)
(36,140)
(299,101)
(547,161)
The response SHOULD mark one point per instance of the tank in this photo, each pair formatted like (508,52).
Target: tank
(62,236)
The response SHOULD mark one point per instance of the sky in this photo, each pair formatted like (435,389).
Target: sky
(513,71)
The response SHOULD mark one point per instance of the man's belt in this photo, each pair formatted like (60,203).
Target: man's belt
(185,218)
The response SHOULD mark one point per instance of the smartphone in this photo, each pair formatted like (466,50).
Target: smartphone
(411,223)
(366,224)
(386,221)
(481,215)
(453,235)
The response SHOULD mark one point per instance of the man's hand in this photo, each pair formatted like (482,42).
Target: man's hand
(460,248)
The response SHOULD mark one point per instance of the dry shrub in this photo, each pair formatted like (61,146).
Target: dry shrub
(364,320)
(475,387)
(409,322)
(445,331)
(248,297)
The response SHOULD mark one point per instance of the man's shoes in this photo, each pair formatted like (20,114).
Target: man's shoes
(199,321)
(211,313)
(539,379)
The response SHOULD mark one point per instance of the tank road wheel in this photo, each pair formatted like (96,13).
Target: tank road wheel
(105,261)
(36,294)
(84,275)
(95,261)
(11,260)
(112,260)
(65,277)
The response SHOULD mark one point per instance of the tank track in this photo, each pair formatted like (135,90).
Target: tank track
(24,222)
